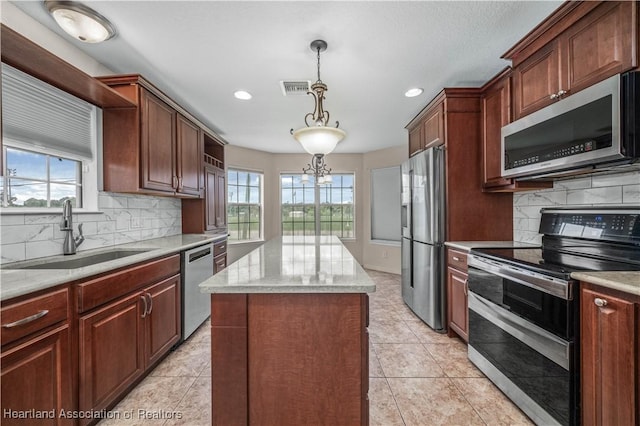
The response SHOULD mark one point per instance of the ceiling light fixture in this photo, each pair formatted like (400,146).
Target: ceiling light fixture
(318,138)
(80,22)
(242,95)
(412,93)
(318,169)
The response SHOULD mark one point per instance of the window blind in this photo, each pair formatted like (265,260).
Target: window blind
(385,204)
(40,116)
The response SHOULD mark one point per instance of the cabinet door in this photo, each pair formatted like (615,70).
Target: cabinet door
(457,288)
(535,80)
(211,200)
(599,45)
(433,128)
(189,145)
(110,354)
(415,140)
(37,375)
(162,324)
(157,144)
(608,340)
(496,113)
(221,199)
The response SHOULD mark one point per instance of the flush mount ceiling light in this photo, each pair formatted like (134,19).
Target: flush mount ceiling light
(242,95)
(412,93)
(317,137)
(80,22)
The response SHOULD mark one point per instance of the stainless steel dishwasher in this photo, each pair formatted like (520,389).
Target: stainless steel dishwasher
(197,266)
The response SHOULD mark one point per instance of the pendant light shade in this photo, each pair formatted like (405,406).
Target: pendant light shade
(319,139)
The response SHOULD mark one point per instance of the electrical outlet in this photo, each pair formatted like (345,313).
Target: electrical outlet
(384,254)
(136,222)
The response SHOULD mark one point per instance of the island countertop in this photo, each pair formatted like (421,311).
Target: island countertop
(293,264)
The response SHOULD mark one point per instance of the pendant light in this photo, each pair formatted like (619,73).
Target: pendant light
(317,138)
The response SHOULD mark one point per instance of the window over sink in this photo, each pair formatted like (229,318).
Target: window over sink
(50,144)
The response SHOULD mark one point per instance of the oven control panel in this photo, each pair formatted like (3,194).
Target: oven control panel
(620,225)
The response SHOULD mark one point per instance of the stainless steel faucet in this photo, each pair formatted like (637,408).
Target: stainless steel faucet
(70,243)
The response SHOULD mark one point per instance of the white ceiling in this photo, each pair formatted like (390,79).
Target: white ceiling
(200,52)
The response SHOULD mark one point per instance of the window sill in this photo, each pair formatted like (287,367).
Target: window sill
(386,243)
(52,211)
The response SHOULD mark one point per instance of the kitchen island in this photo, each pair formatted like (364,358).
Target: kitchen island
(289,340)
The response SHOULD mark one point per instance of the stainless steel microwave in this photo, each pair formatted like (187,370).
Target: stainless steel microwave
(596,127)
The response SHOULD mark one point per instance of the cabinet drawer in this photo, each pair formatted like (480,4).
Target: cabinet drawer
(457,259)
(103,289)
(220,262)
(28,316)
(219,248)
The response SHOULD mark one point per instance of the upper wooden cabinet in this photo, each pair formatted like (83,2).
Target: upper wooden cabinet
(496,113)
(155,148)
(579,45)
(428,131)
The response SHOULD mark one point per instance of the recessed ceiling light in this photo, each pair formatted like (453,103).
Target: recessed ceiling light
(412,93)
(241,94)
(80,22)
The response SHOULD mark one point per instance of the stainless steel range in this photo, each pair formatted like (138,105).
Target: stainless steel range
(523,306)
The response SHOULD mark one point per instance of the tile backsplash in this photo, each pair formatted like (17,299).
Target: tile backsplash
(123,219)
(605,189)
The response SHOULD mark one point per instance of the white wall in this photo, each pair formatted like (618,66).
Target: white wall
(596,190)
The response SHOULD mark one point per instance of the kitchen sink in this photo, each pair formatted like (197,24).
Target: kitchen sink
(80,262)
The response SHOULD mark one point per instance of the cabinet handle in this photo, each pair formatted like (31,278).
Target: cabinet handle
(600,302)
(457,259)
(146,306)
(466,287)
(180,183)
(561,93)
(174,182)
(26,320)
(150,303)
(553,96)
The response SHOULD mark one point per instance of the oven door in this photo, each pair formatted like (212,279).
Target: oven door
(529,364)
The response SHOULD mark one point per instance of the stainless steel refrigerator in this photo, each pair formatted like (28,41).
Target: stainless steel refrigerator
(423,235)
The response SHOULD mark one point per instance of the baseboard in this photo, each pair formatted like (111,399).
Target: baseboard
(381,269)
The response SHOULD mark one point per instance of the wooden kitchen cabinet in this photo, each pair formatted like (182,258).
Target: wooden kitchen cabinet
(496,113)
(457,290)
(428,131)
(156,148)
(219,256)
(37,359)
(129,319)
(610,356)
(586,42)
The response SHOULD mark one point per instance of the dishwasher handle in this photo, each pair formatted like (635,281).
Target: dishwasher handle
(199,254)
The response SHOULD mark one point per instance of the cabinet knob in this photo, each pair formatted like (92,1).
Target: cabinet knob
(553,96)
(562,93)
(600,302)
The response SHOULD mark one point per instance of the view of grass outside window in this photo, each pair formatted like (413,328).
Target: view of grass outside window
(335,203)
(244,205)
(33,179)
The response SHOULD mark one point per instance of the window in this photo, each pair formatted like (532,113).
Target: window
(335,205)
(244,205)
(49,145)
(385,204)
(35,179)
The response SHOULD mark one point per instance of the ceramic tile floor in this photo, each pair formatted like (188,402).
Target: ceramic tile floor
(417,377)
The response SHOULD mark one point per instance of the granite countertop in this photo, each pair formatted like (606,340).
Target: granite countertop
(469,245)
(293,265)
(17,282)
(627,281)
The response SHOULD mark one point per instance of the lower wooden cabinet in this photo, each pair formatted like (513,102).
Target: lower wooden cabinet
(37,360)
(610,356)
(457,290)
(37,375)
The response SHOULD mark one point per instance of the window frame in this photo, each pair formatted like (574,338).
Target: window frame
(319,205)
(260,205)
